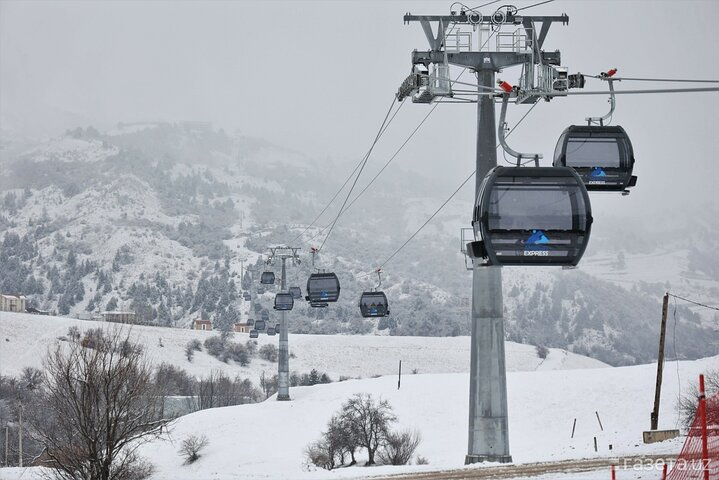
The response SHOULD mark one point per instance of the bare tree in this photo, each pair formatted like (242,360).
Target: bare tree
(192,446)
(102,405)
(370,420)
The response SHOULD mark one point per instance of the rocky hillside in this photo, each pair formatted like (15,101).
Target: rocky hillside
(164,219)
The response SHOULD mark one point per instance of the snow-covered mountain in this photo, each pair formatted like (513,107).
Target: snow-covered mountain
(163,218)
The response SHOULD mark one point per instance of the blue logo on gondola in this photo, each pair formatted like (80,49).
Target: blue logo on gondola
(598,172)
(537,238)
(324,296)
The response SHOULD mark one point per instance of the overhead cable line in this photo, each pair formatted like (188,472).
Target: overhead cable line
(385,126)
(369,184)
(461,185)
(364,163)
(694,302)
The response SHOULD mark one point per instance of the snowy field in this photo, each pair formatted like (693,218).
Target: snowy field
(267,440)
(25,338)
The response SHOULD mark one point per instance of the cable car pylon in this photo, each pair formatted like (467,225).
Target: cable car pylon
(488,417)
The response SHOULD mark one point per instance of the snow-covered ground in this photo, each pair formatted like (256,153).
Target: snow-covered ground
(267,440)
(25,338)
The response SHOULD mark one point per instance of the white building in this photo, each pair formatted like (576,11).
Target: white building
(12,303)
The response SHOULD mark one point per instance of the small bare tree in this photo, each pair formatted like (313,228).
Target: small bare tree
(102,405)
(192,446)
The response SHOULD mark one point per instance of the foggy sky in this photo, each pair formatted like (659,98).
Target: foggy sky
(317,77)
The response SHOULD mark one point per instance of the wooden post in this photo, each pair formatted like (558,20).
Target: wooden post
(702,415)
(660,363)
(599,420)
(19,440)
(595,444)
(399,378)
(574,426)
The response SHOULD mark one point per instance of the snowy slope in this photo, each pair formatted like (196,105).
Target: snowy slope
(267,440)
(25,338)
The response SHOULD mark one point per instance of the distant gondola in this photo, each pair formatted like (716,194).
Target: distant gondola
(532,216)
(267,278)
(271,331)
(284,301)
(602,156)
(254,333)
(296,292)
(260,325)
(374,304)
(250,321)
(323,288)
(265,315)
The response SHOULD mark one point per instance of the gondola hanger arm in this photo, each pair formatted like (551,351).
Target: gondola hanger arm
(501,135)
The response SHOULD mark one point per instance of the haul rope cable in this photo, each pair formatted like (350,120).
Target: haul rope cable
(441,206)
(442,100)
(364,163)
(382,131)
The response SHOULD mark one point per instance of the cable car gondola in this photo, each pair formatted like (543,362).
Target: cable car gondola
(271,331)
(374,304)
(296,292)
(284,301)
(602,155)
(250,321)
(277,327)
(532,216)
(323,288)
(265,315)
(254,333)
(260,325)
(267,278)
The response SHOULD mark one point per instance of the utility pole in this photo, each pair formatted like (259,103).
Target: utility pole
(283,363)
(19,439)
(488,419)
(660,363)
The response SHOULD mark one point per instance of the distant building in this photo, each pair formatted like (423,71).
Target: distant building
(243,327)
(202,325)
(35,311)
(118,317)
(12,303)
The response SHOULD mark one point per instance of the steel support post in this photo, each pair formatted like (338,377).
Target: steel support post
(488,425)
(283,364)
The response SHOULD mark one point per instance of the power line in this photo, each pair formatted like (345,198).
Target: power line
(694,302)
(535,5)
(364,163)
(660,90)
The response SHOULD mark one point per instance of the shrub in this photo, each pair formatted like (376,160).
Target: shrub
(192,446)
(268,352)
(687,403)
(542,351)
(399,447)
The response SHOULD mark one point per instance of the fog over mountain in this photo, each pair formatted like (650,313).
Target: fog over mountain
(146,146)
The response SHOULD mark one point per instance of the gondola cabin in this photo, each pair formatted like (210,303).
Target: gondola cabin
(271,331)
(374,304)
(602,156)
(323,288)
(533,216)
(260,325)
(284,301)
(277,327)
(267,278)
(296,292)
(254,333)
(265,315)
